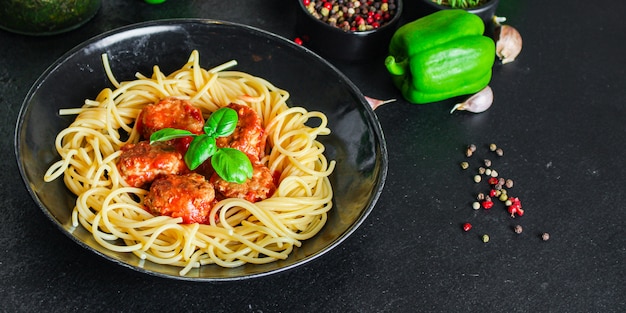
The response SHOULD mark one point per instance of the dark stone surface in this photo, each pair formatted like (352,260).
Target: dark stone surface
(559,115)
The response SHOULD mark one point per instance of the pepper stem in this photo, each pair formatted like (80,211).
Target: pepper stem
(395,68)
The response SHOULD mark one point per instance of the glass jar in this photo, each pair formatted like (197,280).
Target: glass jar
(46,17)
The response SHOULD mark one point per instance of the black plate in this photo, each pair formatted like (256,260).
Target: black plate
(356,142)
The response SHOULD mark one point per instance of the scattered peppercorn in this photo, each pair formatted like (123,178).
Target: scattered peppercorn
(467,227)
(497,189)
(545,236)
(352,15)
(509,183)
(476,205)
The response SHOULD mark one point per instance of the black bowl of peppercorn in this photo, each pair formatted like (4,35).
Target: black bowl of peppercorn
(349,30)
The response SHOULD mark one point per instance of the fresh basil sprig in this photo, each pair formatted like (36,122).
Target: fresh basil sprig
(230,164)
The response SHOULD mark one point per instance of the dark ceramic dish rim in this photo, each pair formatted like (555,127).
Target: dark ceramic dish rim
(391,22)
(371,117)
(480,8)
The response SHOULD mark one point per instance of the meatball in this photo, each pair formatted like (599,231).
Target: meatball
(188,196)
(261,186)
(139,164)
(170,113)
(249,136)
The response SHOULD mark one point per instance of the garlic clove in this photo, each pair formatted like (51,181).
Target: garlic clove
(477,103)
(508,44)
(375,103)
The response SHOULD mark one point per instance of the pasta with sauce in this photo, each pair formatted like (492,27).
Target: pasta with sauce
(240,231)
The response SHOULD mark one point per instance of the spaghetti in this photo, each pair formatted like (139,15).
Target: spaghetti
(242,232)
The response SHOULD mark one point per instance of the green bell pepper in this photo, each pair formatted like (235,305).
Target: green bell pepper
(440,56)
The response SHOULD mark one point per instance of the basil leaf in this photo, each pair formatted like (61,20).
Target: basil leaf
(232,165)
(200,149)
(166,134)
(221,123)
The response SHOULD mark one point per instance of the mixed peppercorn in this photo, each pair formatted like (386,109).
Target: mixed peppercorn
(498,189)
(352,15)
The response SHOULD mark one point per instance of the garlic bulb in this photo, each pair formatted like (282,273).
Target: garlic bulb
(479,102)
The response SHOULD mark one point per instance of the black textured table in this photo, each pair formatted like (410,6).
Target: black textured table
(559,116)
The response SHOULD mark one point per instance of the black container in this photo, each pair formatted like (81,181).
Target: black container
(420,8)
(50,17)
(333,42)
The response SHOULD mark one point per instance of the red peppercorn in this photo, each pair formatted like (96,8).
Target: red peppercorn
(487,204)
(467,226)
(493,181)
(306,2)
(298,40)
(493,193)
(515,208)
